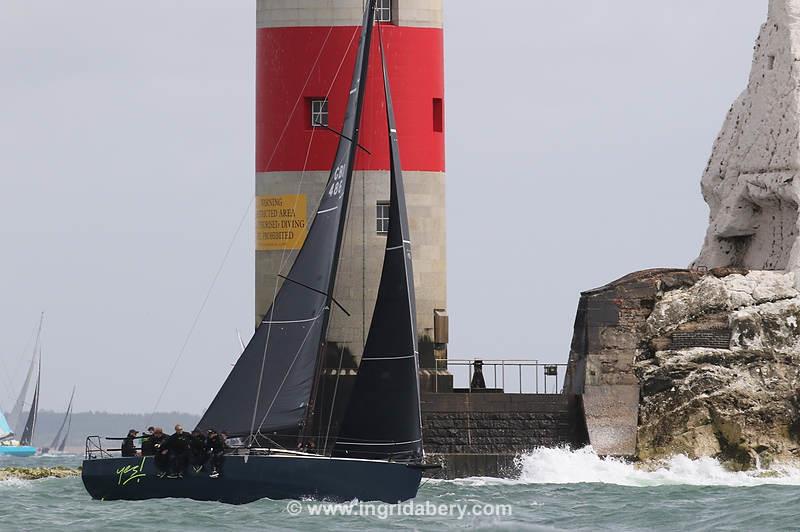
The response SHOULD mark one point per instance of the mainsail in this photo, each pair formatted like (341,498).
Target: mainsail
(33,415)
(17,415)
(270,387)
(382,420)
(57,438)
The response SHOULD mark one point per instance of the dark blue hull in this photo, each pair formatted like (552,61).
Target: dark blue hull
(249,478)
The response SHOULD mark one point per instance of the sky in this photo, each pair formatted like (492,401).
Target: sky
(577,133)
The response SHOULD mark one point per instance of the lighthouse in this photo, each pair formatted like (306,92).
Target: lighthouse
(304,56)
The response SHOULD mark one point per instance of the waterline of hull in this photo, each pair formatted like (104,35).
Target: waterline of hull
(247,478)
(20,451)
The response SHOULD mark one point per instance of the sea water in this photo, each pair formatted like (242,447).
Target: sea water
(557,489)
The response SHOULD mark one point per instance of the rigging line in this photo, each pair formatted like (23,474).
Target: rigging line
(341,135)
(320,292)
(378,442)
(286,376)
(202,307)
(284,257)
(333,401)
(311,71)
(297,101)
(313,131)
(241,223)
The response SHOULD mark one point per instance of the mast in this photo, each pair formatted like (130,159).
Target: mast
(17,413)
(383,418)
(33,415)
(351,130)
(57,438)
(271,386)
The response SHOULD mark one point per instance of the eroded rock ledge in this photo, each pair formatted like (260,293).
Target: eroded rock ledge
(729,388)
(36,473)
(705,364)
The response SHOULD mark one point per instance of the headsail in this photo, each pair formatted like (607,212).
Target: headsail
(269,388)
(33,415)
(5,430)
(57,438)
(383,420)
(17,414)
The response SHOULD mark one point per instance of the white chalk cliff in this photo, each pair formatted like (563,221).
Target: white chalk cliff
(752,182)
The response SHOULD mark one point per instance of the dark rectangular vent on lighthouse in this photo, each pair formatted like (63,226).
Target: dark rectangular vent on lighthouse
(712,339)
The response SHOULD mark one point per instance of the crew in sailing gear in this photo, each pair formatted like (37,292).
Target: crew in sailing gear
(216,446)
(128,445)
(198,450)
(177,447)
(158,440)
(147,442)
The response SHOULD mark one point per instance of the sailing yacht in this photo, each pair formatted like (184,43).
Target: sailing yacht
(9,444)
(60,439)
(268,401)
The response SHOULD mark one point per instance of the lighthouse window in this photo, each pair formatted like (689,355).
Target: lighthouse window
(383,10)
(438,115)
(382,217)
(319,113)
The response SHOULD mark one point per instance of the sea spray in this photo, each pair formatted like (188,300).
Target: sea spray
(565,466)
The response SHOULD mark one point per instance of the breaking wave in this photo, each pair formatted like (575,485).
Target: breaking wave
(565,466)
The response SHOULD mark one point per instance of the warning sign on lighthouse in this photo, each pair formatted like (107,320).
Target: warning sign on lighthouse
(281,222)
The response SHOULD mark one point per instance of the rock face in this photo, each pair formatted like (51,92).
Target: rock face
(36,473)
(705,364)
(752,182)
(719,369)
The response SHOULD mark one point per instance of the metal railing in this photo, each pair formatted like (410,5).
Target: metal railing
(507,376)
(94,448)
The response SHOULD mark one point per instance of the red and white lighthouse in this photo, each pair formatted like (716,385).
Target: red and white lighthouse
(305,54)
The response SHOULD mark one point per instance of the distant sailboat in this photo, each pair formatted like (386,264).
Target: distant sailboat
(33,413)
(60,440)
(63,443)
(9,445)
(17,414)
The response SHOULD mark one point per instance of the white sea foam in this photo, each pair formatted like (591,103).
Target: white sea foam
(563,466)
(14,482)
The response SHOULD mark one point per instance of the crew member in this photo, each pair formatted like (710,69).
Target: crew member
(158,440)
(198,450)
(216,449)
(177,449)
(147,442)
(128,445)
